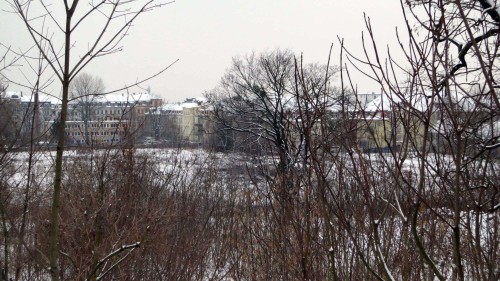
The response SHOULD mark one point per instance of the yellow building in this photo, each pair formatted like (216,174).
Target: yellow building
(388,122)
(193,122)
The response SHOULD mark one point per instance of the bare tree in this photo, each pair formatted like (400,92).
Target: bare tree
(86,86)
(85,89)
(421,203)
(259,96)
(275,104)
(435,120)
(258,90)
(60,53)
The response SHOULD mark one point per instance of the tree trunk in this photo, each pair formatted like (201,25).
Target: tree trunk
(56,195)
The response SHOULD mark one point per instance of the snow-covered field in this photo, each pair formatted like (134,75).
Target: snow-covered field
(238,207)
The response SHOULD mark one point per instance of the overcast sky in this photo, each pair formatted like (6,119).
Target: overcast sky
(205,34)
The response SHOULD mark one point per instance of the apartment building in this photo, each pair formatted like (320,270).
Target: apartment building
(184,122)
(96,119)
(110,118)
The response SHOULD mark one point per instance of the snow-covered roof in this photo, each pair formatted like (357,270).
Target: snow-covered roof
(466,102)
(128,98)
(11,95)
(125,97)
(470,102)
(117,98)
(171,107)
(27,98)
(201,99)
(383,102)
(386,101)
(189,105)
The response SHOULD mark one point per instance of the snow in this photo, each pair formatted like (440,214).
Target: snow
(106,98)
(26,98)
(189,105)
(124,98)
(189,165)
(386,101)
(171,107)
